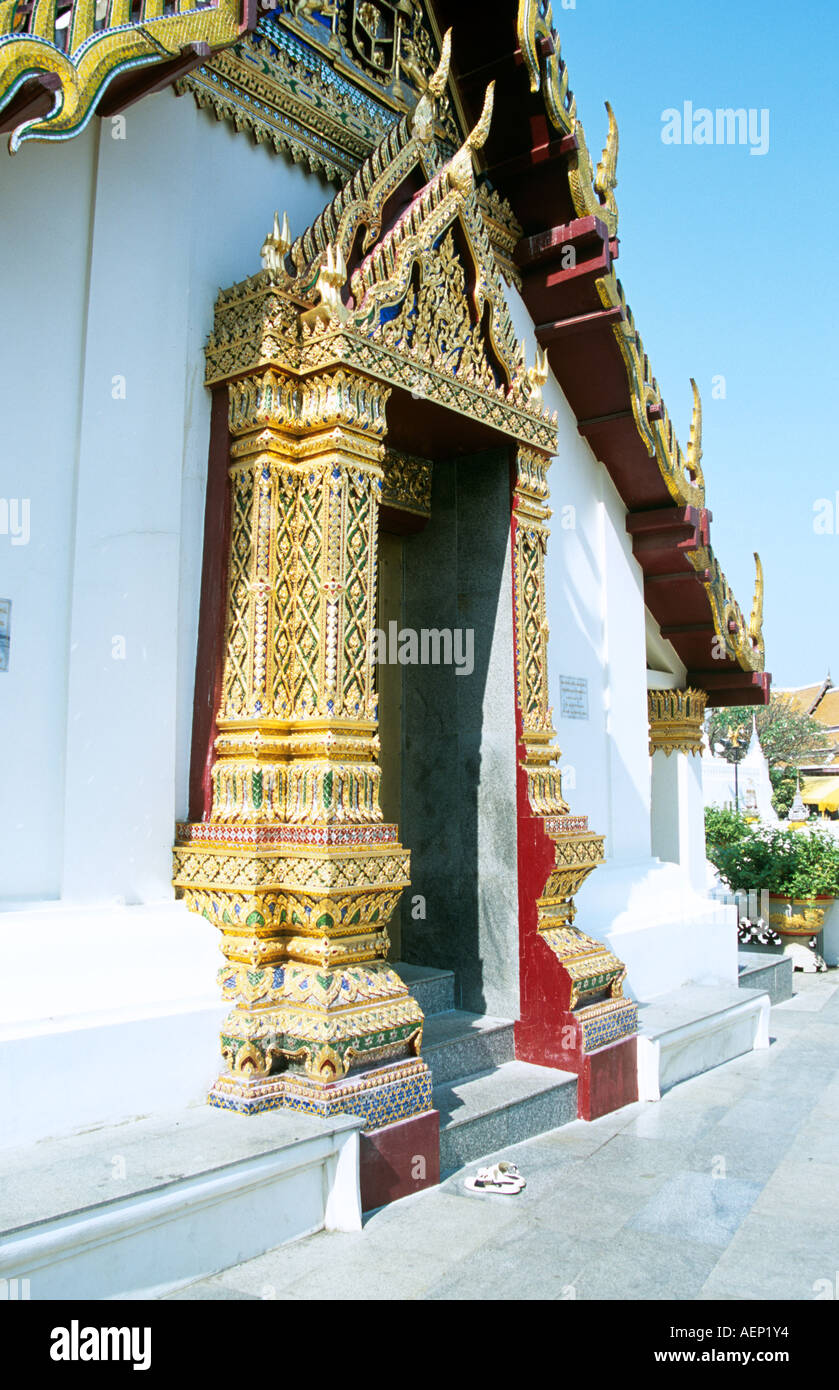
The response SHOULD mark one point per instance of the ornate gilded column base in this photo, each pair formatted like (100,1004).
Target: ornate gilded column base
(320,1022)
(592,968)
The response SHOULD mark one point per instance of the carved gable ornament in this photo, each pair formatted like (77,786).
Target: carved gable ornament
(418,303)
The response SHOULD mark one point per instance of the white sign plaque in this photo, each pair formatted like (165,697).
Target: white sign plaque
(573,697)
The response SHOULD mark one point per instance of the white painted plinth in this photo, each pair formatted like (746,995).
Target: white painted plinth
(666,933)
(830,937)
(106,1014)
(136,1210)
(694,1029)
(678,818)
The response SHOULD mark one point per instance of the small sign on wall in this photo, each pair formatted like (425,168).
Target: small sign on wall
(573,697)
(5,631)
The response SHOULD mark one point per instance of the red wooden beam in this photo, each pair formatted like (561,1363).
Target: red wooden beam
(143,81)
(34,100)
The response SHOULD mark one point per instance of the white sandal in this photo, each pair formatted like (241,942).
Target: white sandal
(501,1177)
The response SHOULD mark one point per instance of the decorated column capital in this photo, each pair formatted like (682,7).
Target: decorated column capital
(676,719)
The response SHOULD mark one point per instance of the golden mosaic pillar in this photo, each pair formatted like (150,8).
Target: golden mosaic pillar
(295,866)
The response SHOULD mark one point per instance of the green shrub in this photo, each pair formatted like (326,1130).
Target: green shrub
(723,828)
(784,786)
(788,863)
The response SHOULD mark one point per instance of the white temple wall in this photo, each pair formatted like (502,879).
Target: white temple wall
(110,435)
(96,707)
(45,216)
(665,668)
(624,684)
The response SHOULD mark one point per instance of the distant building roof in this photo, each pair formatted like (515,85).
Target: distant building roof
(821,703)
(827,710)
(805,699)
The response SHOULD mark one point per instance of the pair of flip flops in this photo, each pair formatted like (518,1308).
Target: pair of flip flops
(501,1177)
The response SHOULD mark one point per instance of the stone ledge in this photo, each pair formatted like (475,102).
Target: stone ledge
(765,971)
(516,1101)
(694,1029)
(138,1209)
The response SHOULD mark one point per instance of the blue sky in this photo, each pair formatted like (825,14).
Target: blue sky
(726,258)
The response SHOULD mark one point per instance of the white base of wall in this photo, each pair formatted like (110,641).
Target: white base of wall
(199,1191)
(830,939)
(59,1078)
(667,934)
(695,1029)
(108,1013)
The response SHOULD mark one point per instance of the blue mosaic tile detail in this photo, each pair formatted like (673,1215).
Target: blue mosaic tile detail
(379,1106)
(610,1027)
(394,1100)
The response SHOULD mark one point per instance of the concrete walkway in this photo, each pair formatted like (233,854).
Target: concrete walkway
(727,1188)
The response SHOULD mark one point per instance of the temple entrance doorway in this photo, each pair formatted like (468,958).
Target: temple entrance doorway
(447,729)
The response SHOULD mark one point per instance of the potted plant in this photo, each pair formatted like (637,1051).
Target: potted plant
(800,872)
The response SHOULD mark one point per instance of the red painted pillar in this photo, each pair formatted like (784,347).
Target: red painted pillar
(550,1032)
(209,659)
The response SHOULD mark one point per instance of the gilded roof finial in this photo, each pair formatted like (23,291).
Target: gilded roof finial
(756,623)
(277,244)
(694,452)
(439,78)
(477,137)
(537,375)
(422,122)
(331,280)
(606,178)
(460,168)
(593,192)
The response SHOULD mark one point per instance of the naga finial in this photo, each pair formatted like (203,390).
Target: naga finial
(460,168)
(439,78)
(422,121)
(277,244)
(694,451)
(477,137)
(606,178)
(330,282)
(756,622)
(537,375)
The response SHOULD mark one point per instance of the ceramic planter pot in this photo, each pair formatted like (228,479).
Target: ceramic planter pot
(799,922)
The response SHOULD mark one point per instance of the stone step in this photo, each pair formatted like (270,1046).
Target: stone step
(137,1209)
(432,989)
(492,1110)
(765,971)
(459,1044)
(694,1029)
